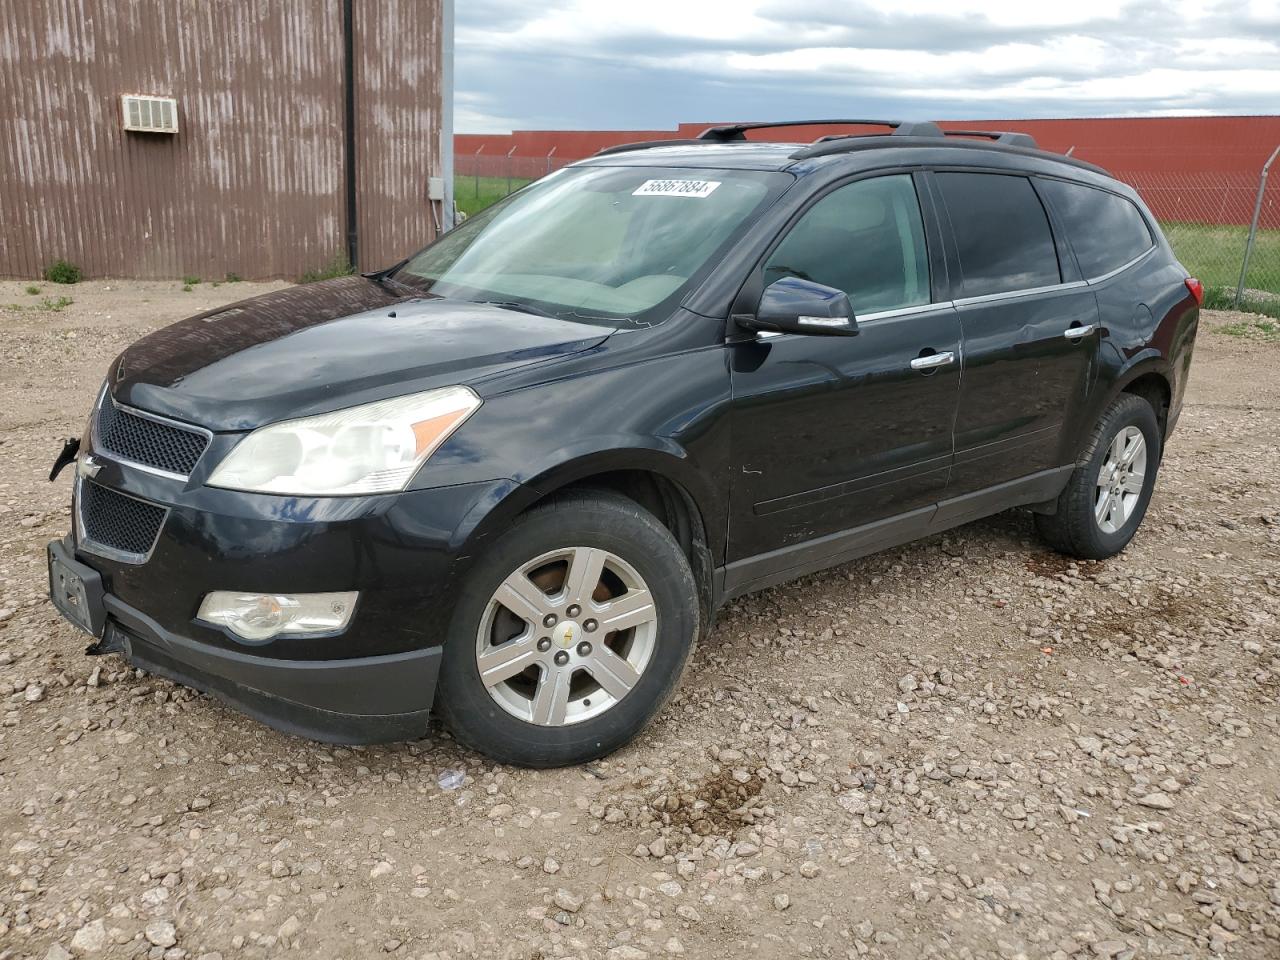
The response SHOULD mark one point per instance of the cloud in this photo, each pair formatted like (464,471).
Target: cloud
(598,64)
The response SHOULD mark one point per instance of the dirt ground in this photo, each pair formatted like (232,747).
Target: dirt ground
(967,747)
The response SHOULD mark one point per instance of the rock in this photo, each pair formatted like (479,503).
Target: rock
(57,952)
(380,869)
(91,938)
(550,865)
(674,947)
(781,901)
(626,952)
(1157,801)
(670,889)
(161,933)
(567,901)
(290,928)
(501,811)
(1109,948)
(809,869)
(34,693)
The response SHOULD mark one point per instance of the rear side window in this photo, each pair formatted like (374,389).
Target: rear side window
(1001,231)
(866,239)
(1106,231)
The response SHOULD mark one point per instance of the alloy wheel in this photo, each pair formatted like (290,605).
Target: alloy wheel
(566,636)
(1120,480)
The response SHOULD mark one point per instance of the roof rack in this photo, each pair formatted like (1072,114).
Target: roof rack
(1007,138)
(903,128)
(645,145)
(848,142)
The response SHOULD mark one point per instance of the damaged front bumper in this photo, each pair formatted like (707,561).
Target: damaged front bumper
(359,700)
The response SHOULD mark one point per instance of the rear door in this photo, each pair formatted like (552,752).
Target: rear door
(830,433)
(1029,326)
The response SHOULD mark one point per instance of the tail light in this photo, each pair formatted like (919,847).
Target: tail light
(1197,290)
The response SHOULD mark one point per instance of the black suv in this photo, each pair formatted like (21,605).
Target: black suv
(515,475)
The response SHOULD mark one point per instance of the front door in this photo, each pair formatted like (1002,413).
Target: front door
(833,433)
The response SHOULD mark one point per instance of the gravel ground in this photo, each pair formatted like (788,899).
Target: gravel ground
(967,747)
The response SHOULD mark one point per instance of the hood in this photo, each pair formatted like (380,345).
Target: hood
(323,346)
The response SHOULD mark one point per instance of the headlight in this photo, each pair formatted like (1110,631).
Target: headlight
(373,448)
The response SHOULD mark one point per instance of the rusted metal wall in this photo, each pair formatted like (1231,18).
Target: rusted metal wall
(253,182)
(398,112)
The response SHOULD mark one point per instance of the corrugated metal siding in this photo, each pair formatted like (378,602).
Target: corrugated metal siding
(253,182)
(398,109)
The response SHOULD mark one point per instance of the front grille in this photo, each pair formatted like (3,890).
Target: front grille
(118,521)
(149,442)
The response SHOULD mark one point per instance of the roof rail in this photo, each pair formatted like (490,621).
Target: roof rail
(1006,138)
(735,131)
(645,145)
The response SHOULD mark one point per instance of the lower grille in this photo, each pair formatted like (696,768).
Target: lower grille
(117,521)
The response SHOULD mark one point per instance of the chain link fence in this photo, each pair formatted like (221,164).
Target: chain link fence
(1223,225)
(1225,228)
(480,179)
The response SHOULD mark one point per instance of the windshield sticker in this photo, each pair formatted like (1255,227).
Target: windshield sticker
(698,189)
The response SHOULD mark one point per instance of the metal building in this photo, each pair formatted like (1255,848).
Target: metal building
(262,138)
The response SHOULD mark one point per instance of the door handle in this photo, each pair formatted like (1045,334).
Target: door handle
(1075,333)
(933,360)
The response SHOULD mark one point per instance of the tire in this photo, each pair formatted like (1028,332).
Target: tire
(535,717)
(1076,529)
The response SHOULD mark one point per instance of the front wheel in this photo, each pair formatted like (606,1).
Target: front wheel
(570,634)
(1103,503)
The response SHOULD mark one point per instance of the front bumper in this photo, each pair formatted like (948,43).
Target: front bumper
(374,681)
(357,700)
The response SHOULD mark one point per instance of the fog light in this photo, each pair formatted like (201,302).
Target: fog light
(261,616)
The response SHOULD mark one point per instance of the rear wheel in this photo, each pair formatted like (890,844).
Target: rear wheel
(571,633)
(1103,503)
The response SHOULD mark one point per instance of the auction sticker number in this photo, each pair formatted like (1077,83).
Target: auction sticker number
(699,189)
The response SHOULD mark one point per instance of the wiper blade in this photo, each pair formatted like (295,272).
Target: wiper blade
(522,307)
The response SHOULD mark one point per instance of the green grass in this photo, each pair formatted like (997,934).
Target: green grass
(1213,253)
(48,304)
(1253,328)
(338,266)
(473,194)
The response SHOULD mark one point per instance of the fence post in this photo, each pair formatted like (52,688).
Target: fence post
(549,156)
(477,170)
(509,152)
(1253,224)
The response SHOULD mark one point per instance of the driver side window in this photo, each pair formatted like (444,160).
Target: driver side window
(867,239)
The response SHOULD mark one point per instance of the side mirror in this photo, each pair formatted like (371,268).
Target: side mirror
(792,305)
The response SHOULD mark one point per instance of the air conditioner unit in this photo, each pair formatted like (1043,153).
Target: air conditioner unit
(149,114)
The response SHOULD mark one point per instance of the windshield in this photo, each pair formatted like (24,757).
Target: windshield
(608,243)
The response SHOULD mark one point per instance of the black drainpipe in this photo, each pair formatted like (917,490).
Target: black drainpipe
(349,129)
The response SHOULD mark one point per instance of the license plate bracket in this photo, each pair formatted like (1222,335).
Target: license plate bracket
(76,590)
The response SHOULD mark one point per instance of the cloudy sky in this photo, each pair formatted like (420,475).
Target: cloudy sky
(600,64)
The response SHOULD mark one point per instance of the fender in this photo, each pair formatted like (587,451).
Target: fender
(1139,364)
(588,457)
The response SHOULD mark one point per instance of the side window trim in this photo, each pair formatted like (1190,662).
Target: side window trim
(1093,281)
